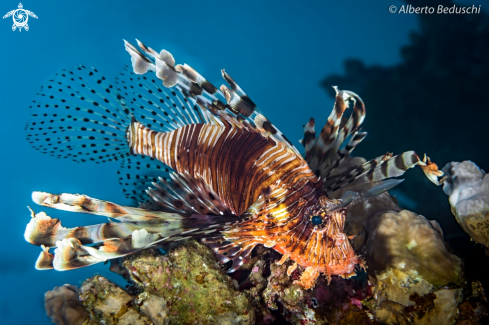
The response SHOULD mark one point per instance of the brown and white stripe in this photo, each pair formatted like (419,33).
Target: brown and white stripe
(237,164)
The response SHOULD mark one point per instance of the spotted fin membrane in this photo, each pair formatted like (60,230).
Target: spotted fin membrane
(137,173)
(79,115)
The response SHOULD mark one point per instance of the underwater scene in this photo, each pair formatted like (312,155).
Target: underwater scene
(253,162)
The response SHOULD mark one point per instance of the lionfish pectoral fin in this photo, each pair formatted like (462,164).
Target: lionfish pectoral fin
(45,259)
(226,250)
(382,187)
(431,171)
(71,254)
(136,175)
(85,204)
(44,231)
(187,194)
(239,259)
(375,170)
(139,229)
(156,187)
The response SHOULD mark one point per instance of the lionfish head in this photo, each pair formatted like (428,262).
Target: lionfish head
(326,213)
(327,249)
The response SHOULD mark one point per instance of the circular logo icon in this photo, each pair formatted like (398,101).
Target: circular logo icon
(20,18)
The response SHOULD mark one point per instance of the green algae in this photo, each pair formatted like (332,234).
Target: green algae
(189,279)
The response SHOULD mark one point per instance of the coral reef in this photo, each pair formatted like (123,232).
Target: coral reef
(408,263)
(412,278)
(187,286)
(411,243)
(189,279)
(468,189)
(109,304)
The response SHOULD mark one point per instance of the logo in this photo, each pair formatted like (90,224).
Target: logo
(20,17)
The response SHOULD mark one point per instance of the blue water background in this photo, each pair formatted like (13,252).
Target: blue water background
(278,51)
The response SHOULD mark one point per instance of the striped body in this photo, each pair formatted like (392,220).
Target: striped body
(237,164)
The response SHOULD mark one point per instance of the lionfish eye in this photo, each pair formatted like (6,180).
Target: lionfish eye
(316,220)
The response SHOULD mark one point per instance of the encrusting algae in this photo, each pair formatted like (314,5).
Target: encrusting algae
(186,286)
(191,281)
(204,163)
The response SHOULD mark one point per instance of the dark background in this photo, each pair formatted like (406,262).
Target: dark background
(423,79)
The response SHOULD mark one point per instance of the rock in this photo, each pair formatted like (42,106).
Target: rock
(280,288)
(412,243)
(359,233)
(389,312)
(231,318)
(398,285)
(468,189)
(63,307)
(132,317)
(108,304)
(444,310)
(153,307)
(472,311)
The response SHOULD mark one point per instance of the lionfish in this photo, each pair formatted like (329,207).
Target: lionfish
(202,162)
